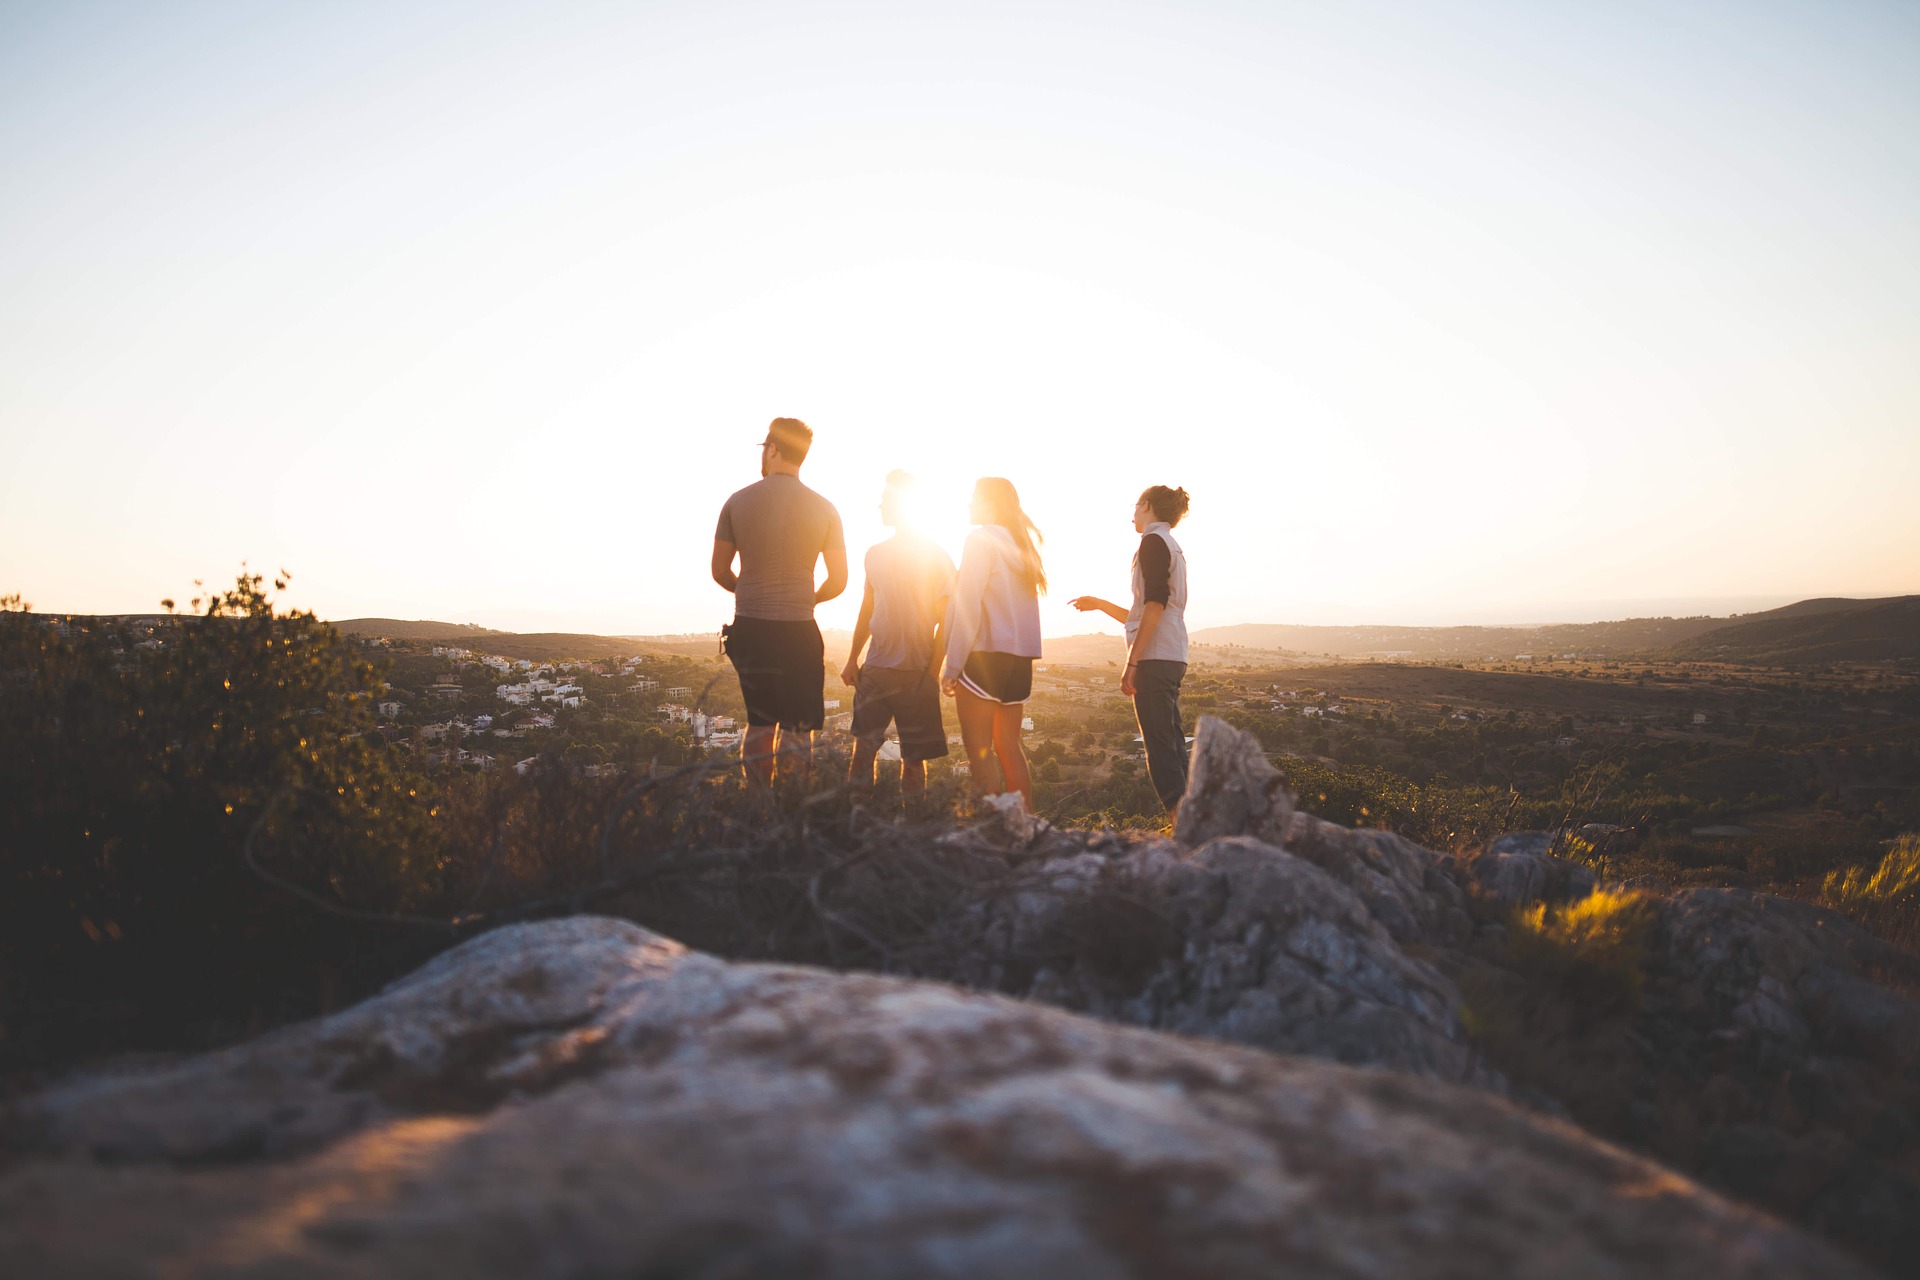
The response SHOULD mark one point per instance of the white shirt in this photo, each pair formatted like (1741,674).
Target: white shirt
(1169,642)
(994,608)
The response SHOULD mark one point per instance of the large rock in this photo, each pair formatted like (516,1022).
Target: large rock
(1519,869)
(1798,1063)
(1231,789)
(585,1098)
(1276,952)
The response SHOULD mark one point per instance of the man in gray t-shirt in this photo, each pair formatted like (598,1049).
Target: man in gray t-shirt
(779,529)
(908,581)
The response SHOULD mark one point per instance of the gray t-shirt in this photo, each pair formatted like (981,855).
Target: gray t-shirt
(911,578)
(781,528)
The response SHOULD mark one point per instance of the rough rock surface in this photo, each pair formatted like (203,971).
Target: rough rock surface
(1774,1054)
(1231,789)
(1780,1031)
(1519,869)
(582,1097)
(1266,949)
(1236,792)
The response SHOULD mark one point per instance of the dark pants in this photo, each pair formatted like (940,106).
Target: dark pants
(1156,702)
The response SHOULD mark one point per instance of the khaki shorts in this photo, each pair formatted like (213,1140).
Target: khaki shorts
(910,699)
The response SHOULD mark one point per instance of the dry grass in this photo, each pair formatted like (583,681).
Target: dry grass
(1594,951)
(1554,1013)
(1885,900)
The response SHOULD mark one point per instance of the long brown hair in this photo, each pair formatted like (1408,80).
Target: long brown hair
(1002,503)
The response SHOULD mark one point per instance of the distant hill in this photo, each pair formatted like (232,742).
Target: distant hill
(536,646)
(1087,650)
(1816,631)
(1822,630)
(396,629)
(1467,644)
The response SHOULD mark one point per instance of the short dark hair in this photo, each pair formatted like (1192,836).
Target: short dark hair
(1166,504)
(792,438)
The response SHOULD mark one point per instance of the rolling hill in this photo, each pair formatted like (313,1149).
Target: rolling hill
(1466,644)
(1886,630)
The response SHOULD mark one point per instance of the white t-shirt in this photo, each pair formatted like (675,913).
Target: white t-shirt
(911,578)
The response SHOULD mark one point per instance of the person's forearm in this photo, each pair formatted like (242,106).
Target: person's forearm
(830,589)
(1114,611)
(959,641)
(1150,615)
(939,658)
(722,564)
(860,637)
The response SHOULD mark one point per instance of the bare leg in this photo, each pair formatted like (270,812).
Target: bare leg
(756,753)
(794,757)
(1006,745)
(976,739)
(913,778)
(860,767)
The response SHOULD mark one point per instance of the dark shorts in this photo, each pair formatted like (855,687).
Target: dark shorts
(783,671)
(910,699)
(998,677)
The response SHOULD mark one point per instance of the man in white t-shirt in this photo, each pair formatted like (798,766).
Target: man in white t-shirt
(908,581)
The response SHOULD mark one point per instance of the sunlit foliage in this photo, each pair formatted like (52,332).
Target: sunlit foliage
(137,761)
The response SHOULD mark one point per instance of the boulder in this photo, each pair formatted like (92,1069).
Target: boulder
(1232,790)
(582,1097)
(1770,1024)
(1278,953)
(1518,870)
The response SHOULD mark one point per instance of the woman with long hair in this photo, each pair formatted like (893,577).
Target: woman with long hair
(1156,638)
(993,636)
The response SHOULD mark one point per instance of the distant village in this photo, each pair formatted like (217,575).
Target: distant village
(439,715)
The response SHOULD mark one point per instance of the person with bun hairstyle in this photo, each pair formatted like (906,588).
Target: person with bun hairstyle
(993,636)
(1156,638)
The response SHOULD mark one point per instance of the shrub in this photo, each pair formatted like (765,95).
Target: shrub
(141,766)
(1594,951)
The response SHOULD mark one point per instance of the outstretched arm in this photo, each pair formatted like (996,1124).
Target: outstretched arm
(723,552)
(1094,604)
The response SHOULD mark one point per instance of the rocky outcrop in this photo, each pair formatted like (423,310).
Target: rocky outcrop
(581,1097)
(1231,789)
(1775,1052)
(1269,950)
(1257,925)
(1519,869)
(1785,1038)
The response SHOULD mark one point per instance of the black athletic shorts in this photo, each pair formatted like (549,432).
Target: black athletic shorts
(909,699)
(998,677)
(783,671)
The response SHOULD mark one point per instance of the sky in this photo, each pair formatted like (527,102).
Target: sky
(1442,312)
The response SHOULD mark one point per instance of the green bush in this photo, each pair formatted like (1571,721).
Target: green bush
(142,766)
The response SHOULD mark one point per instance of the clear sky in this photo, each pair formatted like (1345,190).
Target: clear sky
(1442,312)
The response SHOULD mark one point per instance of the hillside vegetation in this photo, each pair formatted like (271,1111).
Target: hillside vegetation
(1817,631)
